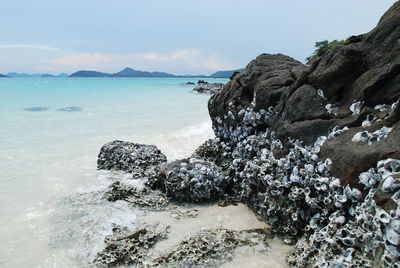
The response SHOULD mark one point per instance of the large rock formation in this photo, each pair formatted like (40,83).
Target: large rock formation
(305,102)
(314,150)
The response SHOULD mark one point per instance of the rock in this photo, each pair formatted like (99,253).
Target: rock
(135,197)
(125,247)
(211,248)
(130,157)
(258,87)
(211,88)
(305,146)
(195,180)
(362,70)
(350,158)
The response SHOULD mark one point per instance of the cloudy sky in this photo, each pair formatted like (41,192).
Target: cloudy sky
(176,36)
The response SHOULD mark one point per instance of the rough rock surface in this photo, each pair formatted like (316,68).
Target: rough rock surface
(127,248)
(127,156)
(210,248)
(366,70)
(205,87)
(195,180)
(136,197)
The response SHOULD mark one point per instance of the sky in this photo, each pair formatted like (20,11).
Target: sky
(175,36)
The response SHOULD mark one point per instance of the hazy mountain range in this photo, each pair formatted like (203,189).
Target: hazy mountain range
(127,72)
(25,75)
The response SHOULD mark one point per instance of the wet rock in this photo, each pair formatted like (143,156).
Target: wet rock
(213,247)
(70,109)
(37,109)
(195,180)
(211,88)
(136,197)
(130,157)
(126,248)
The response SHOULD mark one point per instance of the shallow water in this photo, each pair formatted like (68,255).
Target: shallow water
(52,213)
(51,131)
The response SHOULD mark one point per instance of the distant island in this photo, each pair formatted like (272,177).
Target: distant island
(129,72)
(25,75)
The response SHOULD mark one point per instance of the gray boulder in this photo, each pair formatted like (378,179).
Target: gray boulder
(195,180)
(130,157)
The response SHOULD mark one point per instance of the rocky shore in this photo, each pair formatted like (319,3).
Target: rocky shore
(205,87)
(314,150)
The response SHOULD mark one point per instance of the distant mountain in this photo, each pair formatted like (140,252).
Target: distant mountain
(2,75)
(192,76)
(225,74)
(85,73)
(129,72)
(55,76)
(25,75)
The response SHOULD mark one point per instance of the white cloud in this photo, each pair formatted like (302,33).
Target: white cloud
(81,59)
(214,62)
(182,61)
(21,58)
(30,46)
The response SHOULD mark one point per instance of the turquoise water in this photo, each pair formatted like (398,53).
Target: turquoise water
(51,131)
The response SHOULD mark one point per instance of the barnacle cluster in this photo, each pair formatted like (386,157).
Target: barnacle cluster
(124,247)
(292,189)
(130,157)
(365,234)
(134,196)
(195,180)
(208,248)
(377,135)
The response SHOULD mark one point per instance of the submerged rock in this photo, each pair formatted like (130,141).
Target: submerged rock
(130,157)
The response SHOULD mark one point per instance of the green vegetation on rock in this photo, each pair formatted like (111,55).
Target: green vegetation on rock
(322,47)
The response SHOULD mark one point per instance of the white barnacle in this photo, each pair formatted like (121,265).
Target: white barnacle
(390,185)
(320,92)
(331,109)
(361,136)
(356,107)
(383,216)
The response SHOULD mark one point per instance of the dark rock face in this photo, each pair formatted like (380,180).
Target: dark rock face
(296,98)
(130,157)
(259,87)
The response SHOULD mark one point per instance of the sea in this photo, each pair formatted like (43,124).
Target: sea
(51,131)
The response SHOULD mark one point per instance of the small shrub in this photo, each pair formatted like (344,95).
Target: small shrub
(322,47)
